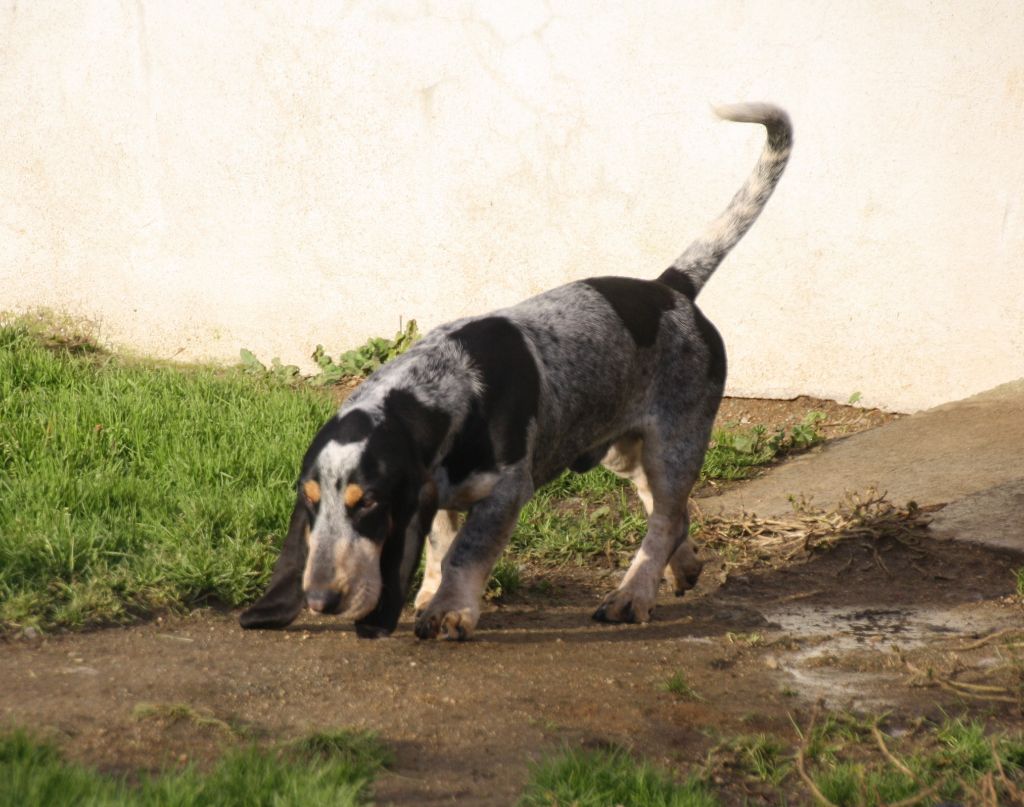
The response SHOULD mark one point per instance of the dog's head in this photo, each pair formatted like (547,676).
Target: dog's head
(364,505)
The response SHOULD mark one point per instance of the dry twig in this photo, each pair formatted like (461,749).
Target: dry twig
(1011,788)
(986,639)
(801,768)
(981,692)
(893,759)
(917,798)
(868,518)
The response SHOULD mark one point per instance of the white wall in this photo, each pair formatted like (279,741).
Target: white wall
(206,176)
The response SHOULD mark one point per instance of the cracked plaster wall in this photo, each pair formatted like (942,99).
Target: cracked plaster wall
(275,175)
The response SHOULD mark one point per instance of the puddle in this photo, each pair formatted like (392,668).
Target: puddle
(817,670)
(858,628)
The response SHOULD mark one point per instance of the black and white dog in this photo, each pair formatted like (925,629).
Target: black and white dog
(481,412)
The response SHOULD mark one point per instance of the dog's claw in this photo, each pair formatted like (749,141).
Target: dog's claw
(454,625)
(621,606)
(627,614)
(427,626)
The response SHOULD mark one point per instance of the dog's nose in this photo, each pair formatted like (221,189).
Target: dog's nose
(323,600)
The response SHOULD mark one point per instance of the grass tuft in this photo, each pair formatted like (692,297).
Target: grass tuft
(506,579)
(602,778)
(362,749)
(35,774)
(734,453)
(678,685)
(179,713)
(765,756)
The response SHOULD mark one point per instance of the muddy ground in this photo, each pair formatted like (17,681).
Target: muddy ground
(759,642)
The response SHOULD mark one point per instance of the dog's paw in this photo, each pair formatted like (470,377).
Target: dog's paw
(684,579)
(454,624)
(625,605)
(684,569)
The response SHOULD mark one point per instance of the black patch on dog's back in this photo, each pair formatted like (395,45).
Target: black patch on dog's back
(426,425)
(716,348)
(638,303)
(351,427)
(511,389)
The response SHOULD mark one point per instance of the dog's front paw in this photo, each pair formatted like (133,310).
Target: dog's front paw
(452,624)
(625,605)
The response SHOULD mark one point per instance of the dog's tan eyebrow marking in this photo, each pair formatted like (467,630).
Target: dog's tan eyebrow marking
(312,490)
(353,493)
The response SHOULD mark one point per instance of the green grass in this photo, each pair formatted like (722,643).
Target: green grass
(506,579)
(679,686)
(764,756)
(325,769)
(952,758)
(128,486)
(735,453)
(578,517)
(578,778)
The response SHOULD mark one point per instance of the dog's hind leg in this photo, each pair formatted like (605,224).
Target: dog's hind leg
(442,533)
(664,472)
(624,459)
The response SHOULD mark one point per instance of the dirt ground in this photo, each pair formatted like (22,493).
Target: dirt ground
(759,645)
(840,420)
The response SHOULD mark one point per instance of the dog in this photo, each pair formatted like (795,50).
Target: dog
(483,411)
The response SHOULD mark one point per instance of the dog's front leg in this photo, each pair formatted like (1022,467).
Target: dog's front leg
(442,533)
(455,607)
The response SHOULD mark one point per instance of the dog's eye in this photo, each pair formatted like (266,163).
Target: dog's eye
(368,502)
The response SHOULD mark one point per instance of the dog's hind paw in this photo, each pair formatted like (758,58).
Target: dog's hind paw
(684,568)
(458,625)
(624,606)
(682,581)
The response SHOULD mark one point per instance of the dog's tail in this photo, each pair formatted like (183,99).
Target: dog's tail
(691,270)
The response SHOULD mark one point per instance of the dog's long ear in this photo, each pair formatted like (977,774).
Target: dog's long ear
(282,601)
